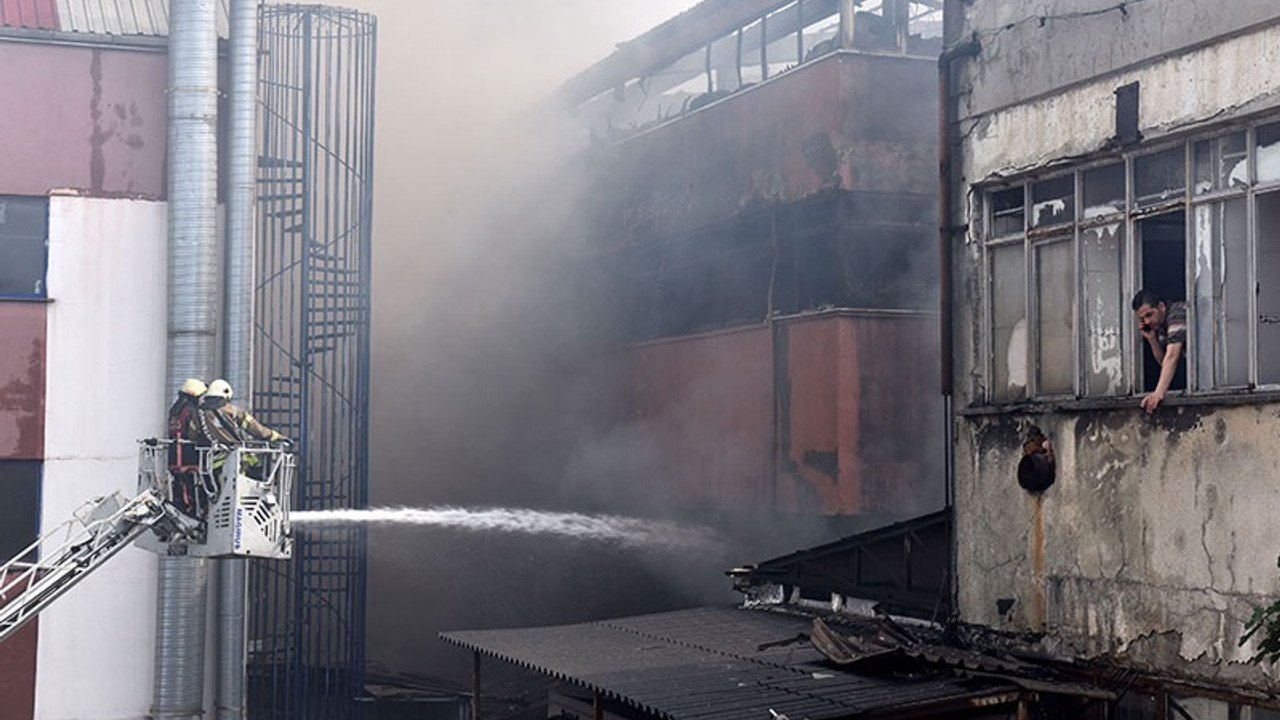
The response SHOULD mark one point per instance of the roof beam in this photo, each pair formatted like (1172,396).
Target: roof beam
(662,46)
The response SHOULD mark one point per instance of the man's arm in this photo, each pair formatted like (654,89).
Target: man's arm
(1168,366)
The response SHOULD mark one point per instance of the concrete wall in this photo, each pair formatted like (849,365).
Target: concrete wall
(1035,47)
(105,373)
(1179,92)
(1158,538)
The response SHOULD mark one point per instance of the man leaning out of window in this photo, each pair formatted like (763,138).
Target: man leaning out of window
(1164,327)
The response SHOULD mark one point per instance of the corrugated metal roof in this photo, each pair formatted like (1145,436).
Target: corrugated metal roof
(124,17)
(149,18)
(718,663)
(40,14)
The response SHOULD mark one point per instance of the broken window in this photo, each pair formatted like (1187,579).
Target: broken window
(24,229)
(1163,251)
(1053,202)
(1104,193)
(1159,177)
(1221,163)
(1267,156)
(1007,212)
(1062,249)
(1007,282)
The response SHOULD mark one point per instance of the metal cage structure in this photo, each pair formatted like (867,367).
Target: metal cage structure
(306,648)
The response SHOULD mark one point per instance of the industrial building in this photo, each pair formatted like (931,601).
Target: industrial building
(1095,149)
(127,258)
(1094,560)
(760,205)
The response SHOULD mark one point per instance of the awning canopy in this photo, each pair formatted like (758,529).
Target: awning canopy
(721,662)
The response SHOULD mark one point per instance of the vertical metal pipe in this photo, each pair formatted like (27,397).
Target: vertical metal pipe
(848,8)
(182,592)
(238,360)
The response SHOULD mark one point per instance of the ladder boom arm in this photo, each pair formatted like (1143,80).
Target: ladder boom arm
(68,554)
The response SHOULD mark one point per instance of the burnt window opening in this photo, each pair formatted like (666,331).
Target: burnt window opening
(761,47)
(834,250)
(1164,262)
(20,509)
(1008,211)
(1201,219)
(24,232)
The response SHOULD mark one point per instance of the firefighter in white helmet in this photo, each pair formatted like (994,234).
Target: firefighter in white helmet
(220,421)
(222,424)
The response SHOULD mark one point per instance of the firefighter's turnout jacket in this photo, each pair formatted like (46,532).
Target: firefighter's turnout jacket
(224,423)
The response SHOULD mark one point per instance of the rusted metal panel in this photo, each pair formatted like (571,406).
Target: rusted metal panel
(850,121)
(859,415)
(862,418)
(703,405)
(22,380)
(35,14)
(82,118)
(18,672)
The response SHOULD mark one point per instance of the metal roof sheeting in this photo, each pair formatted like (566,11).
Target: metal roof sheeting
(40,14)
(149,18)
(718,664)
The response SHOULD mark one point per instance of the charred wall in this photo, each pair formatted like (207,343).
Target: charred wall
(771,263)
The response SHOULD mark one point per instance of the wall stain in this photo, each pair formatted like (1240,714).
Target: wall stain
(23,399)
(100,134)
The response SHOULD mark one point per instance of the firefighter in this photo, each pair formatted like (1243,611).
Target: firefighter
(220,422)
(184,459)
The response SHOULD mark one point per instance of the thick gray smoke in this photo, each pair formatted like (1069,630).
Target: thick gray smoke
(486,375)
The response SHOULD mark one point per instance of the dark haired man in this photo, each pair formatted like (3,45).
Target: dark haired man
(1164,327)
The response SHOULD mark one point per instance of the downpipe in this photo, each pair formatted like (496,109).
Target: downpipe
(182,588)
(238,360)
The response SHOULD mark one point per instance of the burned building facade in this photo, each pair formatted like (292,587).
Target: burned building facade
(1096,148)
(760,213)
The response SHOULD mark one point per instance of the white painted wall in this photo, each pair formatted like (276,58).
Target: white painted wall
(105,380)
(1211,83)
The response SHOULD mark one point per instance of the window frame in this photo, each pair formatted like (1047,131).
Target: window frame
(42,283)
(1130,258)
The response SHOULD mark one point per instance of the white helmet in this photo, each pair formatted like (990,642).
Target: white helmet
(219,388)
(194,387)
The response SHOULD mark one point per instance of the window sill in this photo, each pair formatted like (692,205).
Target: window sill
(1225,398)
(22,299)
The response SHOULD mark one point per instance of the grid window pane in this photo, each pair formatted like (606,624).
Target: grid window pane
(1008,212)
(1268,209)
(1159,177)
(1009,320)
(24,223)
(1221,294)
(1104,310)
(1104,192)
(1221,163)
(1053,202)
(1055,309)
(19,506)
(1268,156)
